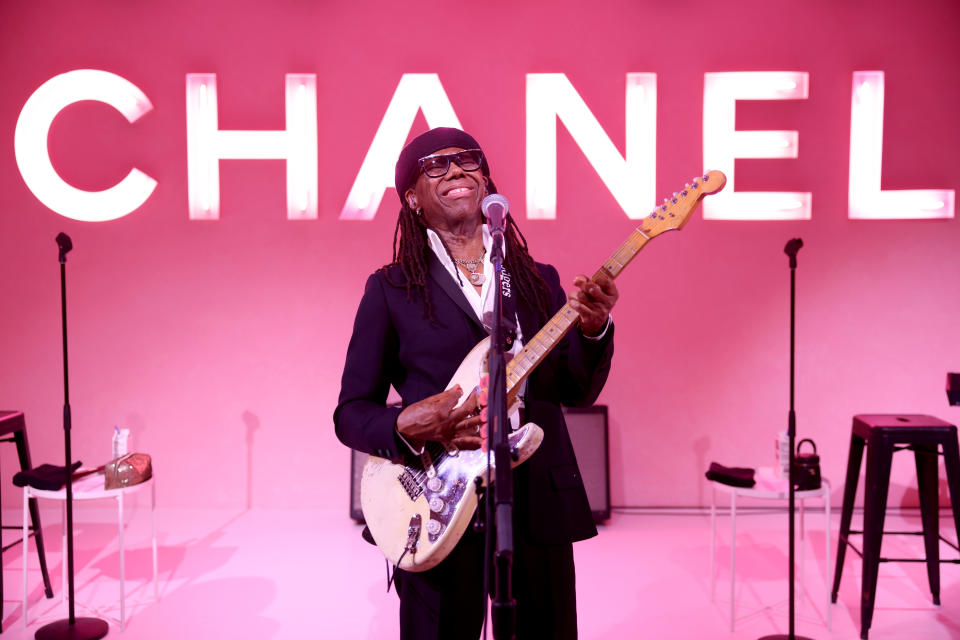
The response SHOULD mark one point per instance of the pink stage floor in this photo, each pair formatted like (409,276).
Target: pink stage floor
(308,574)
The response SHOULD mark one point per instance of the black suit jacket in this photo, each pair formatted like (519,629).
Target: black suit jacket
(394,344)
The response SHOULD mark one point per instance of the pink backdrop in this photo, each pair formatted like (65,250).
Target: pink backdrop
(219,343)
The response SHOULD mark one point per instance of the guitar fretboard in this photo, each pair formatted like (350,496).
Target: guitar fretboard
(622,256)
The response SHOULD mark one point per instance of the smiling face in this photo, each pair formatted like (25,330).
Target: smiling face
(451,200)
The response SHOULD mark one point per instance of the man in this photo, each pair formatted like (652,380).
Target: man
(418,318)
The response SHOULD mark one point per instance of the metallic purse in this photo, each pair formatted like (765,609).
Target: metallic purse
(127,471)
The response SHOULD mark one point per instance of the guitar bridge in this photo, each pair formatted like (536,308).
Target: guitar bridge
(410,484)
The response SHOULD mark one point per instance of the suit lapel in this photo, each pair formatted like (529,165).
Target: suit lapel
(443,278)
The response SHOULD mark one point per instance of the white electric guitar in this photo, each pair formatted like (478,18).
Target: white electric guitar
(418,513)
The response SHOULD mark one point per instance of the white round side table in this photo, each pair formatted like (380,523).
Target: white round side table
(91,487)
(770,487)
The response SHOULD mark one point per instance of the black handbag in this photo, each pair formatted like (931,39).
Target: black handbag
(806,468)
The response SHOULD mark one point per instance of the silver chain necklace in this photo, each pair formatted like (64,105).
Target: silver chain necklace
(476,276)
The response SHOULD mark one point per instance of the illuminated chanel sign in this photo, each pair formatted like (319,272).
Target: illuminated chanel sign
(550,99)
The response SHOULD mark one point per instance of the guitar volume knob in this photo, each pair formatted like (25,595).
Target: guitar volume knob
(435,484)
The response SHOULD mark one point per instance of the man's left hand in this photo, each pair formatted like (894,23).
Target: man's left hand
(593,300)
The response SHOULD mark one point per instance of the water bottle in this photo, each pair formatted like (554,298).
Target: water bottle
(783,454)
(120,440)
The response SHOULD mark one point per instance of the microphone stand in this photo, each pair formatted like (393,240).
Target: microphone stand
(793,246)
(504,606)
(73,628)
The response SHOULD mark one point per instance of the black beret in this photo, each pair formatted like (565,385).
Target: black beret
(408,165)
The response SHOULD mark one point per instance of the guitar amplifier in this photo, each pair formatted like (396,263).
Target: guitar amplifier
(588,432)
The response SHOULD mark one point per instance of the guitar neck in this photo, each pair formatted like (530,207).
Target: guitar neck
(622,256)
(539,346)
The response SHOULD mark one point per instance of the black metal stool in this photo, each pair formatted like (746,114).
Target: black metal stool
(883,435)
(13,428)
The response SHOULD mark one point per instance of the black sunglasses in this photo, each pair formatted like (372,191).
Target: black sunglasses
(438,165)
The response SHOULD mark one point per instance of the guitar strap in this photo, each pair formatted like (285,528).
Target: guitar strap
(508,309)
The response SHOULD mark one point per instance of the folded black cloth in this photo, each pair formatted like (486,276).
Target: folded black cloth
(733,476)
(49,477)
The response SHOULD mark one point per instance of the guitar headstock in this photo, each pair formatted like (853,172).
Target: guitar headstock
(677,209)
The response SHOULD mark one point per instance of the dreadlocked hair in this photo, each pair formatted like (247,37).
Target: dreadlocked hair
(411,252)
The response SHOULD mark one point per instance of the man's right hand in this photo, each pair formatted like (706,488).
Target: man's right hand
(437,418)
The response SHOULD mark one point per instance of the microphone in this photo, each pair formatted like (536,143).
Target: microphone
(495,208)
(793,246)
(65,244)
